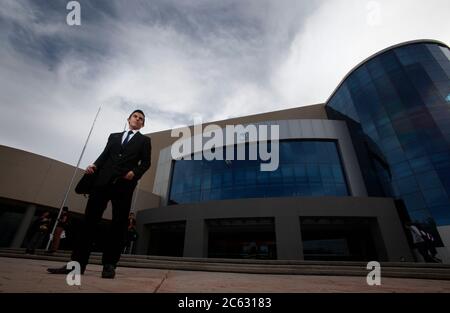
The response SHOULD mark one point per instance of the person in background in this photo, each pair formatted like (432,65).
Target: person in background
(60,230)
(419,242)
(132,234)
(430,244)
(40,228)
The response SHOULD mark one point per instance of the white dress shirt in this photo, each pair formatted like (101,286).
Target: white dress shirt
(125,133)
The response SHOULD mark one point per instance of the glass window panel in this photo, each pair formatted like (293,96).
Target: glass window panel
(316,189)
(407,185)
(420,216)
(395,156)
(196,182)
(216,181)
(313,169)
(300,173)
(337,173)
(444,175)
(441,214)
(227,178)
(436,197)
(429,180)
(441,160)
(421,164)
(313,173)
(250,175)
(326,173)
(329,189)
(341,190)
(275,177)
(414,201)
(445,51)
(288,174)
(262,178)
(401,170)
(390,143)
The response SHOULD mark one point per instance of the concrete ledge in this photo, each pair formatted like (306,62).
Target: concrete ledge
(270,267)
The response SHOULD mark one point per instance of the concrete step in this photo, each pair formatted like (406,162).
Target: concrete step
(286,267)
(143,258)
(135,257)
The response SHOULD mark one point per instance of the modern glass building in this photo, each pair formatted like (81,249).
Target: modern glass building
(393,143)
(351,172)
(398,104)
(307,168)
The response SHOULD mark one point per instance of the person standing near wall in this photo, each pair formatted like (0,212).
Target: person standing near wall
(60,230)
(40,228)
(419,242)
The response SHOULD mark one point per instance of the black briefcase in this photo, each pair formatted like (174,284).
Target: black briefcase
(86,183)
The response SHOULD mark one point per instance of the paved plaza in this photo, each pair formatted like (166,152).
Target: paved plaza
(28,275)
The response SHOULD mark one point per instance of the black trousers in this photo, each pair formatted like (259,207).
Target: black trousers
(120,194)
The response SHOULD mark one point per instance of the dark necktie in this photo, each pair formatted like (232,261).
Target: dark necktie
(127,138)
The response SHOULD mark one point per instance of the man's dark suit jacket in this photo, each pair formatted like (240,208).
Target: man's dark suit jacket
(117,160)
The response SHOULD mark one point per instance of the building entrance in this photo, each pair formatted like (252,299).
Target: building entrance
(249,238)
(167,239)
(338,239)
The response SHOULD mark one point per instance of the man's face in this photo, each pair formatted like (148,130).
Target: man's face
(136,121)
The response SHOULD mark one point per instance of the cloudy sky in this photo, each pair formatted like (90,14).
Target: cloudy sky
(179,58)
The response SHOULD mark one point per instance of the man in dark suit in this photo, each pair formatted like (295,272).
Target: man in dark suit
(123,162)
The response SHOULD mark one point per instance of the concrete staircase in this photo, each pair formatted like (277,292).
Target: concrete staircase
(286,267)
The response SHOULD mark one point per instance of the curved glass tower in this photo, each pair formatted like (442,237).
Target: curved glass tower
(398,101)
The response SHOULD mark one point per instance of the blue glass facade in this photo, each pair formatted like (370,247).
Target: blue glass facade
(400,99)
(306,168)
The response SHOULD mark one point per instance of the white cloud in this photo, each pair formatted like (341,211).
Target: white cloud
(339,36)
(173,60)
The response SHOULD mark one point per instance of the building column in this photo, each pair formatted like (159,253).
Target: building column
(289,238)
(23,227)
(142,243)
(196,239)
(444,252)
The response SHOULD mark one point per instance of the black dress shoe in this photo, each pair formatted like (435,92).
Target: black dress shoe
(108,271)
(61,270)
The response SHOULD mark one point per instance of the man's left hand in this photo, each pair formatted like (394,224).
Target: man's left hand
(129,176)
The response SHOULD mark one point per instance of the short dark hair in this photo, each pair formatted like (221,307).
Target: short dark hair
(137,111)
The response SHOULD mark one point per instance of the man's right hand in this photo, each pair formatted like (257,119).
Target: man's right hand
(91,169)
